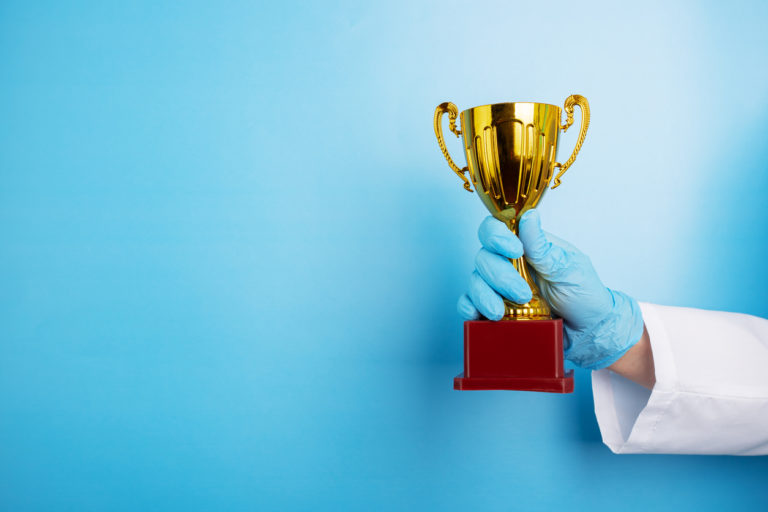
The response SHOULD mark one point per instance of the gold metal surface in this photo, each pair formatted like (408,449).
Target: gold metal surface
(581,101)
(510,150)
(452,111)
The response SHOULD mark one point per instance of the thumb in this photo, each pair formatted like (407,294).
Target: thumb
(540,253)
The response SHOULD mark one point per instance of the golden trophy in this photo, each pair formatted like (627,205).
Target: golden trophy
(511,153)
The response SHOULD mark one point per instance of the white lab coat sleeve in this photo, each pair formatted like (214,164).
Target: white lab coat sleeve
(711,392)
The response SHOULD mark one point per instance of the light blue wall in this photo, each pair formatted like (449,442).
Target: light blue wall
(230,249)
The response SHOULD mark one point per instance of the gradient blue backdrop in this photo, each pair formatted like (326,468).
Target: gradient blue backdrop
(230,249)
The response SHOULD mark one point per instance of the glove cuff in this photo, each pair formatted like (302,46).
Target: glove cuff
(611,338)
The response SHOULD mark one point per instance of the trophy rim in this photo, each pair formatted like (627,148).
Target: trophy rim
(511,103)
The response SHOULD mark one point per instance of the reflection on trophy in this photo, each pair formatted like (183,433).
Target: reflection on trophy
(510,150)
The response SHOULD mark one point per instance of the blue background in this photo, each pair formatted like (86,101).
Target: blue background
(230,249)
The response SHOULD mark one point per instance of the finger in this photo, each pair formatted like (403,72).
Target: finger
(487,301)
(543,255)
(466,309)
(496,237)
(502,276)
(556,240)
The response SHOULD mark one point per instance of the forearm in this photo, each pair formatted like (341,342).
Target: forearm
(637,364)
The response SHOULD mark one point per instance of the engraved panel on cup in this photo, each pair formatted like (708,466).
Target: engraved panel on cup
(478,153)
(528,159)
(541,164)
(491,162)
(509,135)
(471,153)
(550,163)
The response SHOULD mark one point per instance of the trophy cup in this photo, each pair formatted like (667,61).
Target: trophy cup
(511,150)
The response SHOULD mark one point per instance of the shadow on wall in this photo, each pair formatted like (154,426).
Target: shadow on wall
(440,267)
(728,270)
(581,416)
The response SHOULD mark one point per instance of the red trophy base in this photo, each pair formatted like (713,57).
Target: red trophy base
(525,355)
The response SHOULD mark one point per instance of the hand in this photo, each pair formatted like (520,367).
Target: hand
(600,324)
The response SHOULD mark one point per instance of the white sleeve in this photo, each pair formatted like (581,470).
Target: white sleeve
(711,392)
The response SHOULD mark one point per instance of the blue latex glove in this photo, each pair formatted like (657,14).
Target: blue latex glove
(601,324)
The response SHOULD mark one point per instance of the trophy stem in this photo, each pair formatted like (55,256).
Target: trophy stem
(536,308)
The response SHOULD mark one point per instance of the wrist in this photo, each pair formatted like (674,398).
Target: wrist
(637,364)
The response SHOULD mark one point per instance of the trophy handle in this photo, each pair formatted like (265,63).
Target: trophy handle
(452,111)
(581,101)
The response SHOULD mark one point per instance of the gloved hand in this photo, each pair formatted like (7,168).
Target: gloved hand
(600,324)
